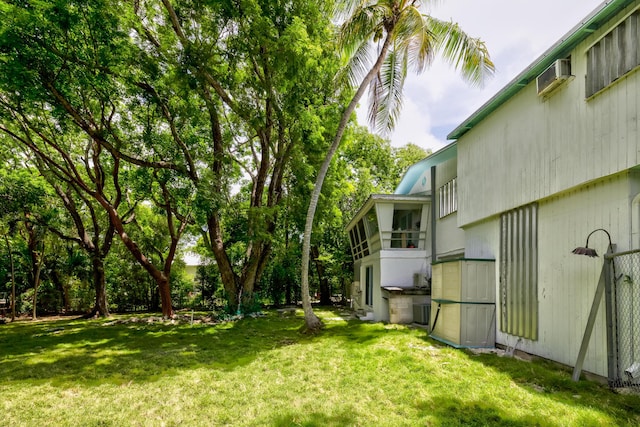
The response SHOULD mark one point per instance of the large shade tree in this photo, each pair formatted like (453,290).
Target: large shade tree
(73,92)
(23,207)
(381,41)
(197,93)
(263,71)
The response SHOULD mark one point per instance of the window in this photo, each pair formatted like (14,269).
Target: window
(448,198)
(368,293)
(359,245)
(519,272)
(614,55)
(372,222)
(406,226)
(360,235)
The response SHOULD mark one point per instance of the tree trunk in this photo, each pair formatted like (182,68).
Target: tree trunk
(325,289)
(64,290)
(36,278)
(227,275)
(164,289)
(312,322)
(13,280)
(100,308)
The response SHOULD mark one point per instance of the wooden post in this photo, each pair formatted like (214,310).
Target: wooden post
(597,299)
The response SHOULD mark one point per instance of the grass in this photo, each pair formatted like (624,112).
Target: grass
(263,372)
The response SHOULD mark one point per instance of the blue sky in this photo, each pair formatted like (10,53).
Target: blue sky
(516,33)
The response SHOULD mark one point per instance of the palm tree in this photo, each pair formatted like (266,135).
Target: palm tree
(398,35)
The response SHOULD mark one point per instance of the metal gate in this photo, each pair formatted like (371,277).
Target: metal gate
(623,319)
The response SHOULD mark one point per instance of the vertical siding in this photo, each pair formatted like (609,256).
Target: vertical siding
(567,282)
(533,147)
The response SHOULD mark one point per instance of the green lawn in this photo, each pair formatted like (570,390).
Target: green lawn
(261,371)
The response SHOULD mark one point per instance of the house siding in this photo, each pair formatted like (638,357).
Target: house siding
(578,159)
(566,282)
(532,147)
(449,238)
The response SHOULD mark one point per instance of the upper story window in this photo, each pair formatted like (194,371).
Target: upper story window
(448,198)
(406,227)
(360,235)
(614,55)
(359,244)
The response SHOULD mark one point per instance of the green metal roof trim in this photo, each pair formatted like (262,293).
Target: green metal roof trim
(560,49)
(416,170)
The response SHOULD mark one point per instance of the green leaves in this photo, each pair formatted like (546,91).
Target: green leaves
(413,38)
(467,54)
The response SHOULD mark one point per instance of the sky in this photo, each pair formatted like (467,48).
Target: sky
(516,33)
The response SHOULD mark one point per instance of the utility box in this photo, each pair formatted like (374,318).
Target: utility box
(463,302)
(421,313)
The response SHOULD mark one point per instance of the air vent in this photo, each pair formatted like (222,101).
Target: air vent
(553,76)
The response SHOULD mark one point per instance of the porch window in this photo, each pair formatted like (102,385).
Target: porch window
(359,245)
(406,227)
(368,292)
(519,272)
(614,55)
(448,198)
(361,235)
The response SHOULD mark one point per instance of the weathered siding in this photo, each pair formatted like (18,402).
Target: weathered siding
(567,282)
(532,148)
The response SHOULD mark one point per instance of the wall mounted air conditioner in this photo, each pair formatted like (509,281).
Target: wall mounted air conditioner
(420,280)
(554,76)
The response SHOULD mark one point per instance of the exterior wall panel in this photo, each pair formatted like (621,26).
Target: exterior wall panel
(567,282)
(533,147)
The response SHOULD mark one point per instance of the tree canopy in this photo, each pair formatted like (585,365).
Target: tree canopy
(152,122)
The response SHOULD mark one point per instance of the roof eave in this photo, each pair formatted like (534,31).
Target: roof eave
(371,201)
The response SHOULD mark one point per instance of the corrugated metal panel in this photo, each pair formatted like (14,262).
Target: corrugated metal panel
(519,272)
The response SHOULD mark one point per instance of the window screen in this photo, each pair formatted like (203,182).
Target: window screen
(448,198)
(613,56)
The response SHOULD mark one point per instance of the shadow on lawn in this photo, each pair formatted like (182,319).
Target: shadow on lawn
(450,411)
(67,351)
(312,419)
(553,381)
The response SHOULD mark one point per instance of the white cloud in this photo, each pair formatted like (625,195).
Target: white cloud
(516,33)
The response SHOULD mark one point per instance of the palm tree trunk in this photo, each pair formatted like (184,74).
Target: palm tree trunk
(312,322)
(36,279)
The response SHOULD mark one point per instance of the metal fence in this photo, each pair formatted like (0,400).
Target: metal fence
(623,320)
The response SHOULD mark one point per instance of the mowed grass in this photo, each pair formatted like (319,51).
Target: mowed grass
(263,372)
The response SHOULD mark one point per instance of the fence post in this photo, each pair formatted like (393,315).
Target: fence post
(610,312)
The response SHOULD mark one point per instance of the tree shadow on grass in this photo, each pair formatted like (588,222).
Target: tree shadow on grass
(450,411)
(311,419)
(101,351)
(553,381)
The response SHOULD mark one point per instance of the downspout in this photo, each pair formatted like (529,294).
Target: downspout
(433,214)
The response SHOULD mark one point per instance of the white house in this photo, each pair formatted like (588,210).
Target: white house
(392,240)
(550,158)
